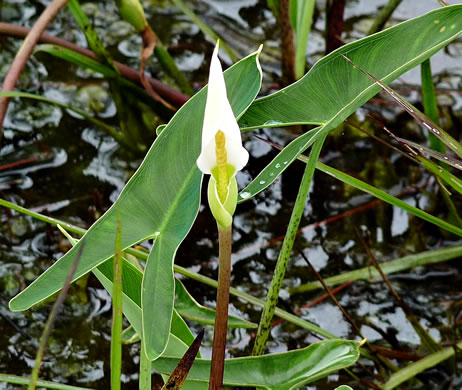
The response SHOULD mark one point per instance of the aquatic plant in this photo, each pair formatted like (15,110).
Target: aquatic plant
(162,199)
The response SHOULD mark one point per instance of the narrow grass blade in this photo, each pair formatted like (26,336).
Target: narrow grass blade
(445,158)
(442,173)
(23,381)
(421,259)
(108,129)
(205,28)
(383,16)
(145,370)
(279,164)
(413,369)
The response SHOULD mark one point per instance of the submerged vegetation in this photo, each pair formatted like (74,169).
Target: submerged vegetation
(147,250)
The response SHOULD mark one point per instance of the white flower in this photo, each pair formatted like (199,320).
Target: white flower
(219,116)
(223,162)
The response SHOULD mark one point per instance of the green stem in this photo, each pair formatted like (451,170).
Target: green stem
(273,293)
(145,370)
(383,16)
(221,317)
(116,334)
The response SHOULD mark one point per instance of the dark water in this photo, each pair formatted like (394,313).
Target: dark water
(77,172)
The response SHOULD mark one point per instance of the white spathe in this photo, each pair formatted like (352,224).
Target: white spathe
(219,116)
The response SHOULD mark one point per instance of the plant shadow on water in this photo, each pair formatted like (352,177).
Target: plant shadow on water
(76,173)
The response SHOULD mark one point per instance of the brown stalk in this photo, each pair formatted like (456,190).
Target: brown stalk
(25,52)
(287,44)
(334,24)
(221,317)
(175,98)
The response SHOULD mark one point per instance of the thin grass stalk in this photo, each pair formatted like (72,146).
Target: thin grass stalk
(169,65)
(272,296)
(351,321)
(116,332)
(103,125)
(205,28)
(51,320)
(383,16)
(145,370)
(221,316)
(25,51)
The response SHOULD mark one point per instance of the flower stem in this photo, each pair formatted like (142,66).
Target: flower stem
(221,319)
(273,292)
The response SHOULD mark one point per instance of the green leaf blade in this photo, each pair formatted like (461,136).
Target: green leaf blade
(287,370)
(330,91)
(161,200)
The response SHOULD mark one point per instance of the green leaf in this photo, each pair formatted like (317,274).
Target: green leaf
(279,164)
(160,201)
(287,370)
(331,91)
(77,59)
(131,297)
